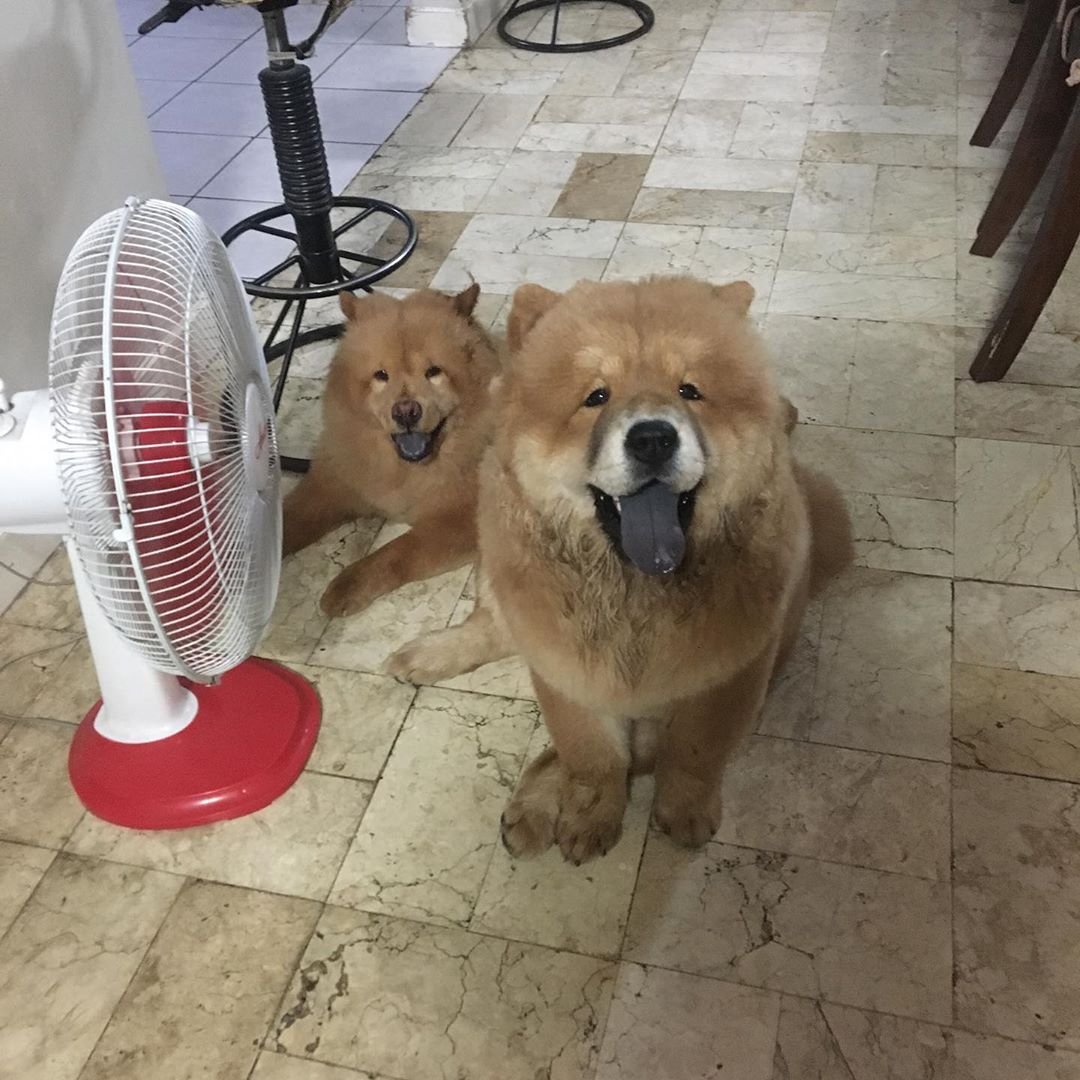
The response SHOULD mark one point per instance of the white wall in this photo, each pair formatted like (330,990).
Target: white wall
(73,144)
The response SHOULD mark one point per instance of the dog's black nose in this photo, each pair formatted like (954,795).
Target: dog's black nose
(652,442)
(407,413)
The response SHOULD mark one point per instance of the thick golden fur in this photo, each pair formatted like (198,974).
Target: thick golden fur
(636,672)
(356,470)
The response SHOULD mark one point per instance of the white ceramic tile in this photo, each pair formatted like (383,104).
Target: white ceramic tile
(190,161)
(209,109)
(386,67)
(155,92)
(245,62)
(252,174)
(177,58)
(253,253)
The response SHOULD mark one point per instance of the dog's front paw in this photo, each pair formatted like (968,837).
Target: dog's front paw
(528,827)
(348,593)
(590,818)
(686,809)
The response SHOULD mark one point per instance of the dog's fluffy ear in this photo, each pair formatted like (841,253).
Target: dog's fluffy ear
(465,301)
(350,304)
(530,303)
(739,295)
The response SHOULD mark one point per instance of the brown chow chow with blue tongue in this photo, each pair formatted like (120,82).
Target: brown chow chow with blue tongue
(405,422)
(647,544)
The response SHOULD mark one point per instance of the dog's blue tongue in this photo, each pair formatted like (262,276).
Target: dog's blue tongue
(652,538)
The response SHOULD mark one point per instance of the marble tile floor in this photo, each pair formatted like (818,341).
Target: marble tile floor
(894,893)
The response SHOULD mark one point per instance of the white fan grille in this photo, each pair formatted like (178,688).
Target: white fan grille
(158,395)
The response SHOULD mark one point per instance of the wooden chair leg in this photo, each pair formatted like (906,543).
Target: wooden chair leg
(1038,16)
(1038,139)
(1049,253)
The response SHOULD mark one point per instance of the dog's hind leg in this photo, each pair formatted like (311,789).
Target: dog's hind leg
(311,510)
(442,654)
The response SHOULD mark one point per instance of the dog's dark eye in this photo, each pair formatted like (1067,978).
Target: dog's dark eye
(689,392)
(432,372)
(598,397)
(381,376)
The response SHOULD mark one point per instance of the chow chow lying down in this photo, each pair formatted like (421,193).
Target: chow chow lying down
(405,422)
(648,546)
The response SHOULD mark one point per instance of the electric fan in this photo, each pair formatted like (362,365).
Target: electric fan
(154,451)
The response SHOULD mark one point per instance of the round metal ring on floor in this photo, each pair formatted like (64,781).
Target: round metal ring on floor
(366,271)
(516,10)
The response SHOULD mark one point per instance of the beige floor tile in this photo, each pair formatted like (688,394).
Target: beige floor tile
(294,846)
(880,462)
(1017,881)
(721,174)
(584,136)
(833,295)
(1016,514)
(1017,627)
(428,836)
(916,201)
(503,273)
(436,120)
(655,74)
(404,998)
(208,988)
(37,804)
(872,148)
(820,1040)
(751,76)
(1015,721)
(297,622)
(845,934)
(831,196)
(774,129)
(49,607)
(72,689)
(547,901)
(272,1066)
(531,183)
(983,285)
(361,717)
(915,82)
(1048,359)
(654,1029)
(740,31)
(885,119)
(813,359)
(598,74)
(701,128)
(902,378)
(733,209)
(883,669)
(896,533)
(29,659)
(602,187)
(714,254)
(299,420)
(438,230)
(1045,414)
(973,190)
(21,868)
(869,253)
(982,1057)
(852,79)
(823,802)
(67,959)
(498,121)
(510,234)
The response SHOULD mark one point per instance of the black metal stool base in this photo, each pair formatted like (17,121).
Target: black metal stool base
(516,10)
(354,270)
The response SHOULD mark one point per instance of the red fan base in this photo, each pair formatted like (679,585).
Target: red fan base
(246,746)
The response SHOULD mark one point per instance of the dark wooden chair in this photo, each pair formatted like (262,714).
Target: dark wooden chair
(1038,17)
(1052,122)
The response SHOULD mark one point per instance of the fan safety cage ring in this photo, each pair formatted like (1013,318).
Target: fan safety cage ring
(164,438)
